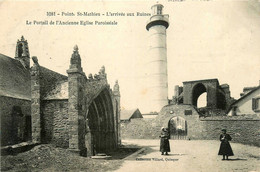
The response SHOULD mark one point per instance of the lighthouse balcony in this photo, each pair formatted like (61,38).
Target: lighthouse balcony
(158,20)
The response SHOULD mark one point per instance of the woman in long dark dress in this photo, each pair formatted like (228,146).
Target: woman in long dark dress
(225,148)
(164,142)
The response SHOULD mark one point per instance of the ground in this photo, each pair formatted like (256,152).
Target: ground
(194,156)
(48,158)
(185,155)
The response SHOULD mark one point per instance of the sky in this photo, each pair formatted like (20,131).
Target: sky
(205,40)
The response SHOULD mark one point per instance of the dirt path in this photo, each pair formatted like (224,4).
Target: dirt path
(194,156)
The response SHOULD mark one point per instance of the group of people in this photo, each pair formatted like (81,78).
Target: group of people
(225,149)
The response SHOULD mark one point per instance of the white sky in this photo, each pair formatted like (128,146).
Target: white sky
(205,40)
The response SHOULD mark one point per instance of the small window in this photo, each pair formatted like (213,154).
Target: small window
(159,10)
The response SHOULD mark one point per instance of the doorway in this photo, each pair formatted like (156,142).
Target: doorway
(178,128)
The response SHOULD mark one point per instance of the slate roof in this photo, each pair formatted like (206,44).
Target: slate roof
(59,92)
(127,114)
(15,80)
(50,81)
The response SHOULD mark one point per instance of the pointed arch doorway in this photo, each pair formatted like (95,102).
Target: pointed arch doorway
(178,128)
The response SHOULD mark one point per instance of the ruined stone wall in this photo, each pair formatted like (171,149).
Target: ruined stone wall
(55,122)
(9,123)
(211,87)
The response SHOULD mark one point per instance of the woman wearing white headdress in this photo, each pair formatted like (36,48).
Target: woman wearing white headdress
(164,141)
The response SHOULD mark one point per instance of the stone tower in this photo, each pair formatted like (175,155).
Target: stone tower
(22,52)
(157,59)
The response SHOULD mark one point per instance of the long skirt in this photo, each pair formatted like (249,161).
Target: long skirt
(164,145)
(225,149)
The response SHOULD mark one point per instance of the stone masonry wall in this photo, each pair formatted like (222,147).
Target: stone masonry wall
(211,87)
(8,127)
(140,129)
(243,129)
(55,122)
(151,128)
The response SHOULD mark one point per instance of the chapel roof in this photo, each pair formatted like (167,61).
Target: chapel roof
(51,81)
(15,80)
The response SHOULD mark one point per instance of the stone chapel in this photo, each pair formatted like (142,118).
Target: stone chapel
(78,112)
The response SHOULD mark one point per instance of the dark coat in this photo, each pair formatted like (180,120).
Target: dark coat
(164,143)
(225,148)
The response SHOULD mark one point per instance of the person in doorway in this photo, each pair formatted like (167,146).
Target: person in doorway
(225,148)
(164,141)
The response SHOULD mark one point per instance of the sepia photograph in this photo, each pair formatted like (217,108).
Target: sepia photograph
(126,86)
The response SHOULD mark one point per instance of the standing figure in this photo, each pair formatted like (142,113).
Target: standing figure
(225,148)
(164,143)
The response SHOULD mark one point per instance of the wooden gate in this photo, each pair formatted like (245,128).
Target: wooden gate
(177,128)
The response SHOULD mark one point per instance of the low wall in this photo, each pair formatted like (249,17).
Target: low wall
(140,129)
(243,129)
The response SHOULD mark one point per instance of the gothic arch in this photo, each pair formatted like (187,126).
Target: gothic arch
(100,122)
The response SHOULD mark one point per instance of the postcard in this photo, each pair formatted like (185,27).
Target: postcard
(130,85)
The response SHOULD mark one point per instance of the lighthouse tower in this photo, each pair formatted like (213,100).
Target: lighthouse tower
(157,58)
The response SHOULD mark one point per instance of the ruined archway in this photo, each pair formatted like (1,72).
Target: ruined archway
(198,90)
(178,128)
(100,119)
(217,98)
